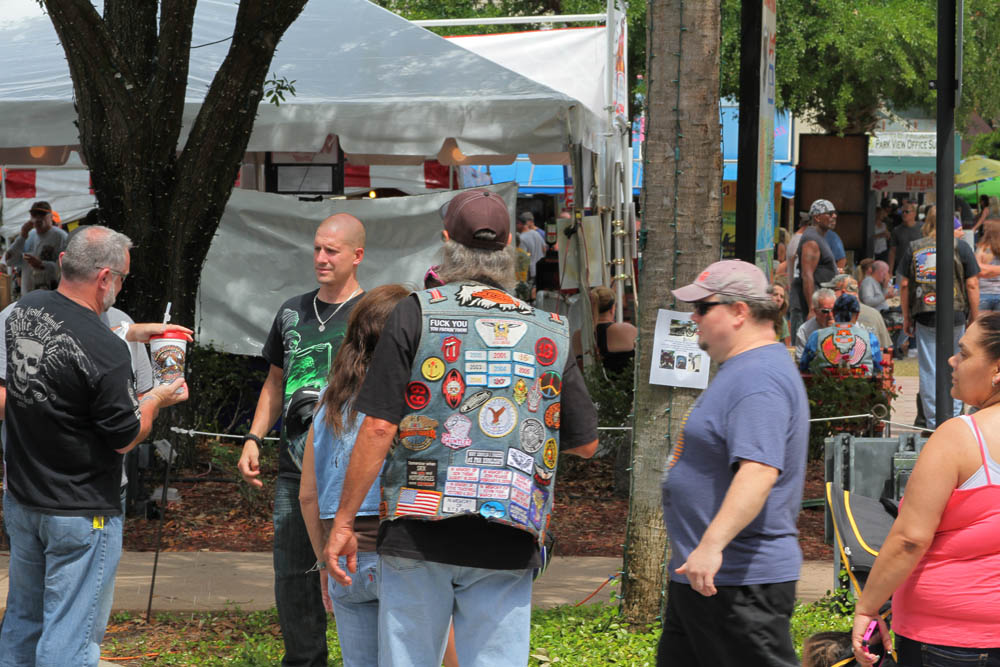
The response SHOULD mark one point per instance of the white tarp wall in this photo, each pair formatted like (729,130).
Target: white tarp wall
(262,255)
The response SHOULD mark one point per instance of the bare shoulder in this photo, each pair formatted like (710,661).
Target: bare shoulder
(952,446)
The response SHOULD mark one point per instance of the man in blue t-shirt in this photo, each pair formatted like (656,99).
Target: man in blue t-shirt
(734,482)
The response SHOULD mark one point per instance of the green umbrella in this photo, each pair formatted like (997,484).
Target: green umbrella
(971,193)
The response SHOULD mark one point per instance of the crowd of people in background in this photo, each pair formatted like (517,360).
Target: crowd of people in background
(893,287)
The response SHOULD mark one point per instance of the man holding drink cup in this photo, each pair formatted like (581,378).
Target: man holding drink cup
(71,413)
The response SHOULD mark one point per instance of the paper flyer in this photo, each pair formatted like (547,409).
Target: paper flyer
(677,359)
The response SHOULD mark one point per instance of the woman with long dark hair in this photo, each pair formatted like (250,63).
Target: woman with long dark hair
(328,450)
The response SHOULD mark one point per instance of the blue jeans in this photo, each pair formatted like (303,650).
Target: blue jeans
(917,654)
(417,600)
(62,569)
(296,591)
(989,302)
(927,364)
(356,609)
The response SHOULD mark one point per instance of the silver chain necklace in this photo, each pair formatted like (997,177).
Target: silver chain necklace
(322,322)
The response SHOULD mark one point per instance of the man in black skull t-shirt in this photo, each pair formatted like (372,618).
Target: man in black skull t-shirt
(71,413)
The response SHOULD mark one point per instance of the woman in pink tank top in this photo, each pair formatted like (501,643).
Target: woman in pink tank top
(941,560)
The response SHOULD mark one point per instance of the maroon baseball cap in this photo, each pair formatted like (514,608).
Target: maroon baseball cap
(40,207)
(474,211)
(730,277)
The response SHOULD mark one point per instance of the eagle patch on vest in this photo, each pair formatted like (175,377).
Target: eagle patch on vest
(488,298)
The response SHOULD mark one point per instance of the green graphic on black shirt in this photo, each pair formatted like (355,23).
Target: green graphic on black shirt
(308,356)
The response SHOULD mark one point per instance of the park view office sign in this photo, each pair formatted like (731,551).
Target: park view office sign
(903,144)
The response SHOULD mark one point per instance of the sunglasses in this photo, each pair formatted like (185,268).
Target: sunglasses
(702,307)
(826,311)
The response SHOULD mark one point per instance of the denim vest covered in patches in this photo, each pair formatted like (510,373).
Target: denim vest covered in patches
(482,432)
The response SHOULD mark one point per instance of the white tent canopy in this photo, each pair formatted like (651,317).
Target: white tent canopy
(381,84)
(572,61)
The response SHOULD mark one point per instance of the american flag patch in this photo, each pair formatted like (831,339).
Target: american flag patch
(418,501)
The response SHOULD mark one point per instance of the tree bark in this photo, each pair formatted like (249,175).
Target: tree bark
(682,227)
(129,78)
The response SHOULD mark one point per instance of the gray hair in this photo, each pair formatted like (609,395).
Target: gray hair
(92,248)
(459,262)
(761,310)
(823,293)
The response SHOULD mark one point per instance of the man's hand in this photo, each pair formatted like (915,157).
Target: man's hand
(701,567)
(170,394)
(249,464)
(141,332)
(908,326)
(26,228)
(33,261)
(342,542)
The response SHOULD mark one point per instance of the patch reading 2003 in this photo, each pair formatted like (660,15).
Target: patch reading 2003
(448,325)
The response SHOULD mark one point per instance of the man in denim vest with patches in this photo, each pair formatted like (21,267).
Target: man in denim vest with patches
(465,397)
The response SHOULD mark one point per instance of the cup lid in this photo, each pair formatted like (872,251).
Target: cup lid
(170,335)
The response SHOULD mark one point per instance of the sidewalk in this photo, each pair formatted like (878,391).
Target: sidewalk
(205,581)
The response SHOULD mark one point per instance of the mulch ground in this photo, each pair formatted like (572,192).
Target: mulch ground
(588,519)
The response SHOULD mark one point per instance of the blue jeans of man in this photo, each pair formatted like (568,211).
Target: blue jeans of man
(418,599)
(927,365)
(296,590)
(355,608)
(62,569)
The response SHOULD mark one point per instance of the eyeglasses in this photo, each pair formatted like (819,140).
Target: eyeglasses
(121,275)
(702,307)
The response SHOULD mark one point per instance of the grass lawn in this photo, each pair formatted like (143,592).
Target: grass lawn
(905,367)
(584,636)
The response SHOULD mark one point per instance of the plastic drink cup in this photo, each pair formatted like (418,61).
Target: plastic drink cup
(169,354)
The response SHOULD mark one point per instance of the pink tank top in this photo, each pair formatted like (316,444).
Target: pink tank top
(952,597)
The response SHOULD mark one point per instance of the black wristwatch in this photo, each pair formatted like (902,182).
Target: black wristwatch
(255,438)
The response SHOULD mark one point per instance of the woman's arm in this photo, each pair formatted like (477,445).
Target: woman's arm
(309,498)
(986,269)
(983,216)
(309,503)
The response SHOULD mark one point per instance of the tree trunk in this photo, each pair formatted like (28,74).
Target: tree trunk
(682,228)
(129,79)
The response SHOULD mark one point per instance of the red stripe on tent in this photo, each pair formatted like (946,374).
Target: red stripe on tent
(90,182)
(357,176)
(21,184)
(436,175)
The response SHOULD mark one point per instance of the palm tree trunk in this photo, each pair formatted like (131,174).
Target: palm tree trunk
(681,235)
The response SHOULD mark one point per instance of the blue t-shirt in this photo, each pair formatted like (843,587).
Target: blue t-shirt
(836,245)
(756,410)
(332,454)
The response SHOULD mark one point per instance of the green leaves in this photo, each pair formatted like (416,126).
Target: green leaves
(275,89)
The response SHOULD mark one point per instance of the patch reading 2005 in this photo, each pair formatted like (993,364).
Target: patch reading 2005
(448,325)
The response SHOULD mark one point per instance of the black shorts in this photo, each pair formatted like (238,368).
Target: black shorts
(739,626)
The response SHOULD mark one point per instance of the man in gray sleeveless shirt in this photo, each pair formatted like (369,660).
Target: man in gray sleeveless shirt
(816,262)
